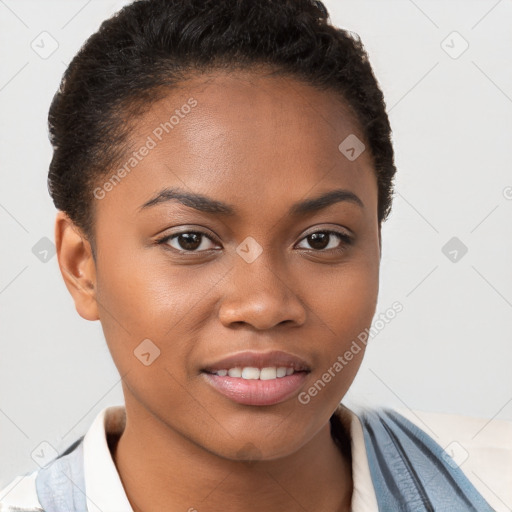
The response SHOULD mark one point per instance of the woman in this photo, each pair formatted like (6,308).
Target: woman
(222,171)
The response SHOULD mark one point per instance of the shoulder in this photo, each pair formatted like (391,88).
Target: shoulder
(62,480)
(480,447)
(26,492)
(20,495)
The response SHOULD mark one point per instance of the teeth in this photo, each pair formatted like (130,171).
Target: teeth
(268,373)
(281,371)
(235,372)
(251,373)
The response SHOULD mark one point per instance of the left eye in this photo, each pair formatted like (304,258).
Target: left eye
(326,240)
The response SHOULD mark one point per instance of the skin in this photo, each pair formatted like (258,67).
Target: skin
(260,144)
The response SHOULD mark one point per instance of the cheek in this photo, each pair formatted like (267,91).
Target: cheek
(137,301)
(147,292)
(144,296)
(345,300)
(144,314)
(344,308)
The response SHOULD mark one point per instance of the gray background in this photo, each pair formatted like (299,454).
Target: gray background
(449,350)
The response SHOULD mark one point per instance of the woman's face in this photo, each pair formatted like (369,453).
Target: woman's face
(261,282)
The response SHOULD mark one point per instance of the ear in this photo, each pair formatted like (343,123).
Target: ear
(77,266)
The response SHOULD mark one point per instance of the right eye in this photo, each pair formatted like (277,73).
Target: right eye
(187,241)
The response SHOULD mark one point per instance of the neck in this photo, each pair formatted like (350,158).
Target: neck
(158,465)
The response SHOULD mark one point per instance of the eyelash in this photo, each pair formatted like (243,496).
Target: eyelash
(344,238)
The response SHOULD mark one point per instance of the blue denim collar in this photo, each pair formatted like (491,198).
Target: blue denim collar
(411,472)
(60,485)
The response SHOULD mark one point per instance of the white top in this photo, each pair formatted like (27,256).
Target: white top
(481,447)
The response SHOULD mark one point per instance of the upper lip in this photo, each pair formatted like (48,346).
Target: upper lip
(275,358)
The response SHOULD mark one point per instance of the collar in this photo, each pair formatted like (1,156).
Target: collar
(364,498)
(105,491)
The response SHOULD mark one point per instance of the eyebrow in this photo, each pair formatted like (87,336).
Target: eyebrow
(212,206)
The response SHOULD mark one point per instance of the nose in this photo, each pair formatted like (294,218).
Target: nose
(259,295)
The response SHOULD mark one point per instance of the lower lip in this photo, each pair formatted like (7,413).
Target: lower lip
(256,391)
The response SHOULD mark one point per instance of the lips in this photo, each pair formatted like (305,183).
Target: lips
(275,358)
(257,378)
(257,392)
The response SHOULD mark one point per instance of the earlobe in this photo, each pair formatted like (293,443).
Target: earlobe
(77,266)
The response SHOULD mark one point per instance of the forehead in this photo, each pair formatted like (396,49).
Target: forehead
(243,134)
(244,109)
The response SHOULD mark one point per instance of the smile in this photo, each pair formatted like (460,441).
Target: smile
(252,373)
